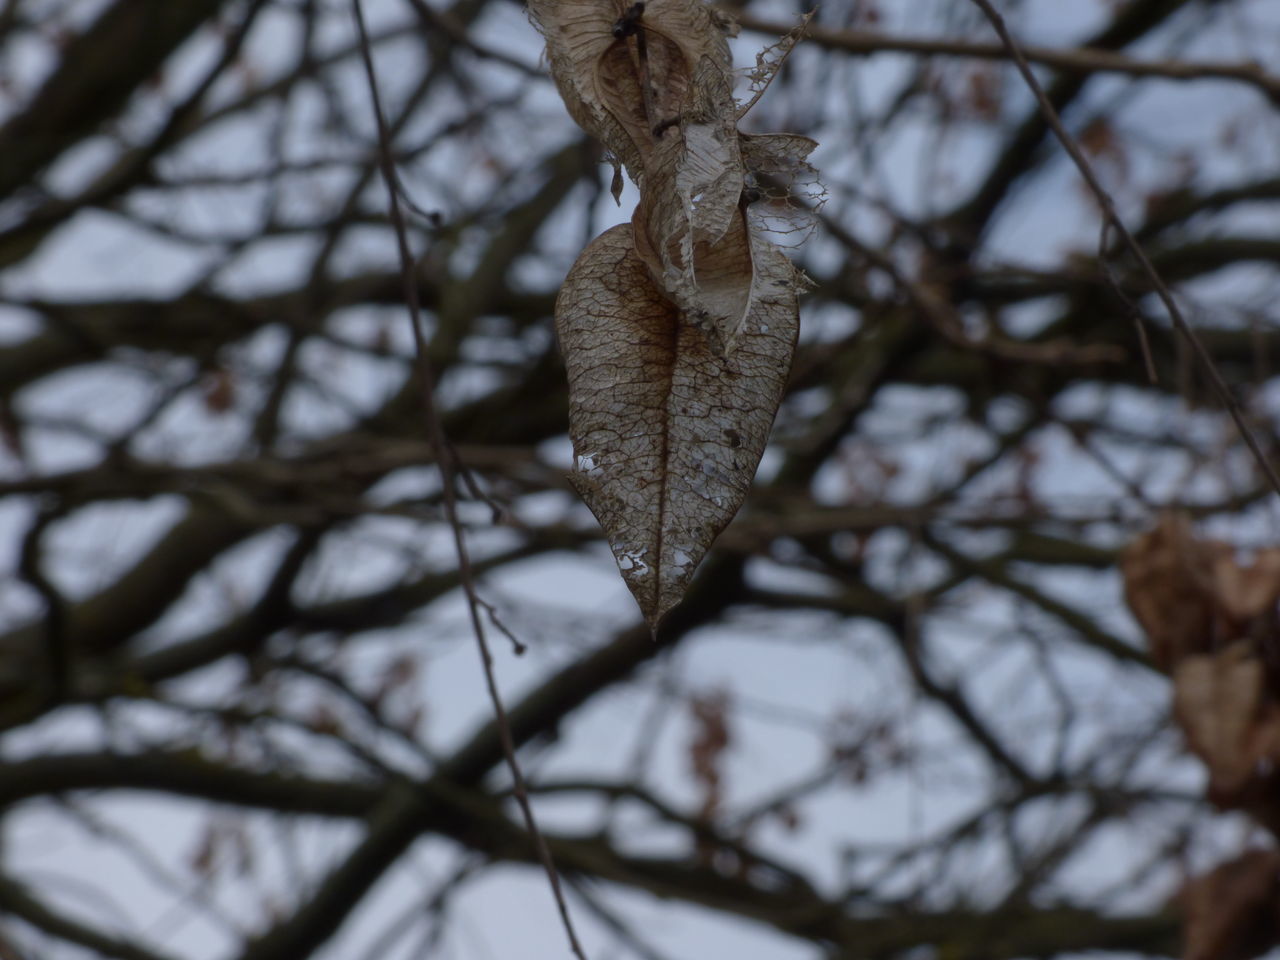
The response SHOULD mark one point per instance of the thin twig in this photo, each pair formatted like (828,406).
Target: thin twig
(1070,59)
(939,312)
(1111,216)
(449,471)
(1130,307)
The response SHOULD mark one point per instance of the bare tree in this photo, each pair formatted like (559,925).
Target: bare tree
(902,705)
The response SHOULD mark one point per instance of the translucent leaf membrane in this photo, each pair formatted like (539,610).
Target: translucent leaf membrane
(627,77)
(689,232)
(783,186)
(769,61)
(677,329)
(667,430)
(690,228)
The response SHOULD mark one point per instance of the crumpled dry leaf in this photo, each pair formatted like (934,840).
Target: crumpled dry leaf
(654,82)
(1247,592)
(1222,704)
(1194,596)
(1168,584)
(621,95)
(783,182)
(678,329)
(667,431)
(691,228)
(712,738)
(1233,912)
(1210,614)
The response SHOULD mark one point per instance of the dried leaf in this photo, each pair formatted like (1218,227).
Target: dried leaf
(667,431)
(625,72)
(1168,584)
(691,228)
(788,817)
(616,184)
(677,330)
(710,280)
(782,184)
(982,94)
(769,62)
(1247,592)
(1194,596)
(323,720)
(1221,703)
(219,391)
(777,166)
(1233,912)
(706,752)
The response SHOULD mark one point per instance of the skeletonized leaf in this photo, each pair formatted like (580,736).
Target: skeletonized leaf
(678,329)
(710,280)
(626,75)
(689,224)
(770,60)
(786,186)
(667,430)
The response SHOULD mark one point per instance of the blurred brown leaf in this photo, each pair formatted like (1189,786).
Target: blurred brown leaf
(1101,140)
(219,391)
(1194,596)
(711,739)
(982,97)
(1221,702)
(1246,592)
(7,950)
(1168,584)
(1233,912)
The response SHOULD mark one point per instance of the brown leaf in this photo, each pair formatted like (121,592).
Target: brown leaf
(624,73)
(667,431)
(1100,139)
(691,228)
(677,330)
(788,817)
(777,166)
(1221,703)
(1233,912)
(982,94)
(706,753)
(1247,592)
(219,390)
(708,278)
(323,720)
(1168,584)
(1194,596)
